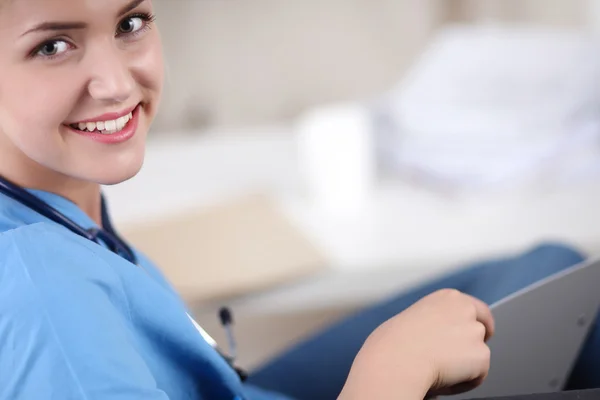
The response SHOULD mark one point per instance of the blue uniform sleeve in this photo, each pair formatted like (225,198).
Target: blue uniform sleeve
(63,334)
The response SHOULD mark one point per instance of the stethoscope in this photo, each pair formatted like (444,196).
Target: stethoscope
(109,238)
(106,236)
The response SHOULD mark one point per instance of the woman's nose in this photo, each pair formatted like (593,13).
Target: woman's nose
(111,80)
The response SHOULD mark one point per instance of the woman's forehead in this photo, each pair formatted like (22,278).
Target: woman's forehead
(23,14)
(50,8)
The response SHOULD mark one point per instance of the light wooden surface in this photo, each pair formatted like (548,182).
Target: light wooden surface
(234,248)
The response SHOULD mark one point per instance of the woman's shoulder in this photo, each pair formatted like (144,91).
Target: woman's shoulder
(15,235)
(40,253)
(44,267)
(58,300)
(45,254)
(40,237)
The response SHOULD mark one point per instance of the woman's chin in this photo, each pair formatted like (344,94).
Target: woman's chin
(114,180)
(118,177)
(117,173)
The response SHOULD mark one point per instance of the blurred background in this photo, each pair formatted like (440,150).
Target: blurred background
(314,157)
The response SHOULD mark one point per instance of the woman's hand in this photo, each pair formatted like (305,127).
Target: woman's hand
(435,347)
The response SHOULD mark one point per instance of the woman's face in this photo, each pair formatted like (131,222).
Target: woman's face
(80,83)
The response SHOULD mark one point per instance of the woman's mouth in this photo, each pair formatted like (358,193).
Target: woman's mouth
(110,131)
(104,127)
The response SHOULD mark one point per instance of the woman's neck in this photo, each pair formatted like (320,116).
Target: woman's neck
(28,174)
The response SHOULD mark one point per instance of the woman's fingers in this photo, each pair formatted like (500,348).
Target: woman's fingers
(484,315)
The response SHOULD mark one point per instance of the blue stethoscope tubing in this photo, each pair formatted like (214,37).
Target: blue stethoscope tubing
(106,236)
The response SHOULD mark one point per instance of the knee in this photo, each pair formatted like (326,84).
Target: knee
(555,253)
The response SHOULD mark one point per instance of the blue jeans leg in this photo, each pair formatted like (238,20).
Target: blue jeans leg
(317,368)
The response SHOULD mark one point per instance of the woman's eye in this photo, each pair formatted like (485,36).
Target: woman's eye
(131,25)
(53,48)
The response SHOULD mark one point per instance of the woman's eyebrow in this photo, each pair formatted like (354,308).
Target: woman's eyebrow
(56,26)
(134,4)
(64,26)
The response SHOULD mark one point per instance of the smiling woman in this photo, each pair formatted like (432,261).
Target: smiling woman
(77,69)
(85,316)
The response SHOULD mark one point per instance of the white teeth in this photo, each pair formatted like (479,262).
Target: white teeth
(121,123)
(105,127)
(110,125)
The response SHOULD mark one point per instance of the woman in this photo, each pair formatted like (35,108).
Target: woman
(80,83)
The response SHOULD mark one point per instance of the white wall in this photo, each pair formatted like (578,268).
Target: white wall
(553,12)
(240,62)
(252,61)
(593,14)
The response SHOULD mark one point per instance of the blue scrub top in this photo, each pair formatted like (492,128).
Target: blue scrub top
(79,322)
